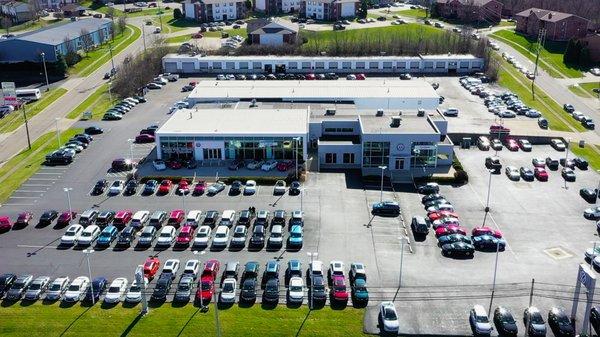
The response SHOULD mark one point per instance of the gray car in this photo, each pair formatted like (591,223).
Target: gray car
(147,236)
(37,288)
(19,287)
(534,322)
(184,289)
(57,288)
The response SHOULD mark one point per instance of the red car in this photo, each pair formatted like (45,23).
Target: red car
(206,286)
(122,218)
(5,224)
(197,36)
(200,187)
(174,164)
(284,165)
(184,187)
(144,138)
(512,144)
(540,173)
(310,77)
(450,229)
(65,218)
(497,128)
(441,214)
(339,291)
(176,217)
(479,231)
(165,186)
(361,77)
(151,267)
(185,235)
(23,219)
(193,83)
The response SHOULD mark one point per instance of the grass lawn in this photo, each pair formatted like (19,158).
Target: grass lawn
(516,82)
(413,13)
(101,8)
(32,25)
(15,119)
(505,23)
(25,164)
(51,320)
(551,55)
(577,90)
(98,102)
(179,39)
(589,87)
(591,153)
(232,32)
(96,58)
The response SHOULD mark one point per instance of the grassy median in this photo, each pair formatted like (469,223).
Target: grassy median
(98,102)
(22,166)
(15,119)
(590,152)
(51,320)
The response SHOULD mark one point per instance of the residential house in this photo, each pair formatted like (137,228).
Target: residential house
(272,31)
(273,7)
(470,10)
(559,26)
(55,4)
(17,11)
(73,10)
(214,10)
(329,10)
(54,40)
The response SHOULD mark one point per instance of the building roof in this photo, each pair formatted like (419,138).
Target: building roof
(547,15)
(233,121)
(219,1)
(72,8)
(55,34)
(372,124)
(272,58)
(466,2)
(312,90)
(271,26)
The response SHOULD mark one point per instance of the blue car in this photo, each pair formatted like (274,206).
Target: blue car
(107,236)
(294,268)
(150,187)
(296,237)
(488,242)
(98,286)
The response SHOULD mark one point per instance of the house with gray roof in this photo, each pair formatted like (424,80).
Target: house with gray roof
(272,31)
(559,26)
(54,40)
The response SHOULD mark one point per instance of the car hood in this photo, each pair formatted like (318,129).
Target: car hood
(484,326)
(296,294)
(72,294)
(538,327)
(33,292)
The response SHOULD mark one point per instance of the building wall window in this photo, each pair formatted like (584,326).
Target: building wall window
(333,65)
(373,65)
(424,154)
(330,158)
(376,154)
(348,158)
(293,65)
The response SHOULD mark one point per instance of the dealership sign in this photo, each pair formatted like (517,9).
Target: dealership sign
(9,93)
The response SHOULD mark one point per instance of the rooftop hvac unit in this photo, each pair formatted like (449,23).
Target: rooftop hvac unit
(379,113)
(396,122)
(330,112)
(421,113)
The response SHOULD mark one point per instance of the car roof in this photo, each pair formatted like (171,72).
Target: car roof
(251,266)
(294,264)
(272,265)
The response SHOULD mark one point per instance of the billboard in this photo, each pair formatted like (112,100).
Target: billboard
(9,93)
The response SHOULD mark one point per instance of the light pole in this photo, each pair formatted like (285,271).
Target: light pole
(598,190)
(202,308)
(382,170)
(24,104)
(112,61)
(487,202)
(402,241)
(45,71)
(130,141)
(109,90)
(87,253)
(144,36)
(495,270)
(68,191)
(141,280)
(57,131)
(217,321)
(296,140)
(312,295)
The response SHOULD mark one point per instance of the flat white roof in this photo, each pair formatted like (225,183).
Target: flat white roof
(278,59)
(232,121)
(312,90)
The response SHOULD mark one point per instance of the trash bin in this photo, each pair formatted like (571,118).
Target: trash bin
(465,143)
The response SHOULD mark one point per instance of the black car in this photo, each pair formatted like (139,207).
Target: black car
(279,217)
(559,322)
(271,293)
(131,187)
(126,236)
(589,194)
(568,107)
(100,186)
(97,287)
(184,289)
(431,197)
(552,163)
(595,319)
(236,165)
(236,187)
(319,293)
(140,99)
(258,236)
(93,130)
(567,163)
(163,285)
(248,291)
(542,123)
(588,124)
(48,217)
(581,164)
(150,187)
(6,281)
(429,188)
(105,218)
(210,219)
(294,188)
(458,248)
(245,218)
(505,322)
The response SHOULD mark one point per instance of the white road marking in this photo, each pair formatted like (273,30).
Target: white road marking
(51,179)
(36,246)
(36,185)
(27,191)
(15,204)
(50,173)
(24,197)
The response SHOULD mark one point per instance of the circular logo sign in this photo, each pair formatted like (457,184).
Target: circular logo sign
(400,147)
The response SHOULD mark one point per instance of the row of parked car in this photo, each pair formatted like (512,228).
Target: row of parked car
(120,109)
(200,281)
(278,76)
(512,60)
(586,121)
(67,152)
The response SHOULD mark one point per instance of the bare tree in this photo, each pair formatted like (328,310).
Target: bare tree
(87,43)
(122,24)
(6,23)
(34,9)
(71,57)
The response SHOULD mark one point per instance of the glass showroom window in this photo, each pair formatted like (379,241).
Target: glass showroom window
(424,154)
(376,154)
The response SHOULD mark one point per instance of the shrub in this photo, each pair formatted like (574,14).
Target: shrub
(461,176)
(177,14)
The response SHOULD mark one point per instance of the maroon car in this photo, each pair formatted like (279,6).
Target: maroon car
(284,165)
(65,218)
(199,188)
(144,138)
(23,219)
(5,224)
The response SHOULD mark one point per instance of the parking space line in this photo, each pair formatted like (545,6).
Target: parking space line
(50,179)
(13,197)
(50,173)
(17,204)
(36,185)
(36,246)
(28,191)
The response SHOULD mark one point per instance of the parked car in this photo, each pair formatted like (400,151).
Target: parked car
(505,323)
(279,187)
(560,323)
(386,208)
(533,321)
(479,321)
(388,317)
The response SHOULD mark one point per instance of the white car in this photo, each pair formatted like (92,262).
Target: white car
(254,164)
(595,71)
(250,187)
(221,237)
(57,288)
(202,236)
(441,207)
(279,187)
(74,147)
(532,113)
(276,236)
(116,188)
(443,222)
(541,162)
(215,188)
(159,165)
(388,317)
(336,267)
(134,294)
(269,165)
(76,289)
(239,236)
(166,236)
(480,323)
(191,268)
(117,289)
(89,235)
(72,234)
(131,100)
(171,267)
(221,77)
(193,217)
(182,104)
(512,173)
(451,112)
(228,290)
(578,115)
(592,213)
(525,145)
(507,114)
(357,269)
(558,144)
(296,290)
(140,218)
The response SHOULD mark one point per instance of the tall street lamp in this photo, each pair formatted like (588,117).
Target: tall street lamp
(487,202)
(402,241)
(382,170)
(87,253)
(130,141)
(312,295)
(566,158)
(68,191)
(45,71)
(296,140)
(495,271)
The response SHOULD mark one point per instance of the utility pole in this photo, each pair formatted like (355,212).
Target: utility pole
(26,124)
(45,71)
(540,43)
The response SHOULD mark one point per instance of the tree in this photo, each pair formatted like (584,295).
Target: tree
(364,6)
(122,24)
(87,43)
(569,52)
(584,57)
(6,23)
(248,4)
(61,65)
(71,57)
(177,14)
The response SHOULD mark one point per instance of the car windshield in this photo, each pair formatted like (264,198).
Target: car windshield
(74,287)
(86,234)
(390,314)
(184,287)
(55,287)
(114,289)
(70,233)
(105,235)
(317,287)
(239,234)
(563,320)
(135,288)
(275,235)
(220,235)
(228,287)
(481,319)
(536,318)
(165,235)
(206,285)
(35,286)
(295,235)
(161,286)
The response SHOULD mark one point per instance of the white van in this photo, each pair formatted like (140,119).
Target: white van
(140,218)
(228,218)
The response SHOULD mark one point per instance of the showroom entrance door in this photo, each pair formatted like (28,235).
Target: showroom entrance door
(211,154)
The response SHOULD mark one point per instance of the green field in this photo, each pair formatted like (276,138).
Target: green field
(551,56)
(101,8)
(32,25)
(98,102)
(232,32)
(516,82)
(15,119)
(591,153)
(179,38)
(168,320)
(505,23)
(99,56)
(589,88)
(413,13)
(22,166)
(577,90)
